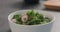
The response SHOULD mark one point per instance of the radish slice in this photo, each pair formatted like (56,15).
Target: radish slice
(24,18)
(14,20)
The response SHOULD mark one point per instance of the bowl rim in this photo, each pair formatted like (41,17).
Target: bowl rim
(30,25)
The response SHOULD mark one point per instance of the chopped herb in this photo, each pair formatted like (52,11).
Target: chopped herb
(34,18)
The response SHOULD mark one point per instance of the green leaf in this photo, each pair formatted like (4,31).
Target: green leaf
(16,16)
(35,21)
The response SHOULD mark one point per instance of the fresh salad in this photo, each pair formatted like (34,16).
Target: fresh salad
(30,18)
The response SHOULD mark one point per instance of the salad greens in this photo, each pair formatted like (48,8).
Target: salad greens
(31,18)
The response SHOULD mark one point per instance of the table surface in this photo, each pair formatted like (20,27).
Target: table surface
(8,6)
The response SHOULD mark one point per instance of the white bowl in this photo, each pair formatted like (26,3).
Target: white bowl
(31,28)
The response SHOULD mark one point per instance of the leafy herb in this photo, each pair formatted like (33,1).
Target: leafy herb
(34,18)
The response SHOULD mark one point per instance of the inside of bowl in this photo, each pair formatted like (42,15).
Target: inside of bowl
(22,12)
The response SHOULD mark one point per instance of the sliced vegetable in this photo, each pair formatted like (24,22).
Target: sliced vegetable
(31,18)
